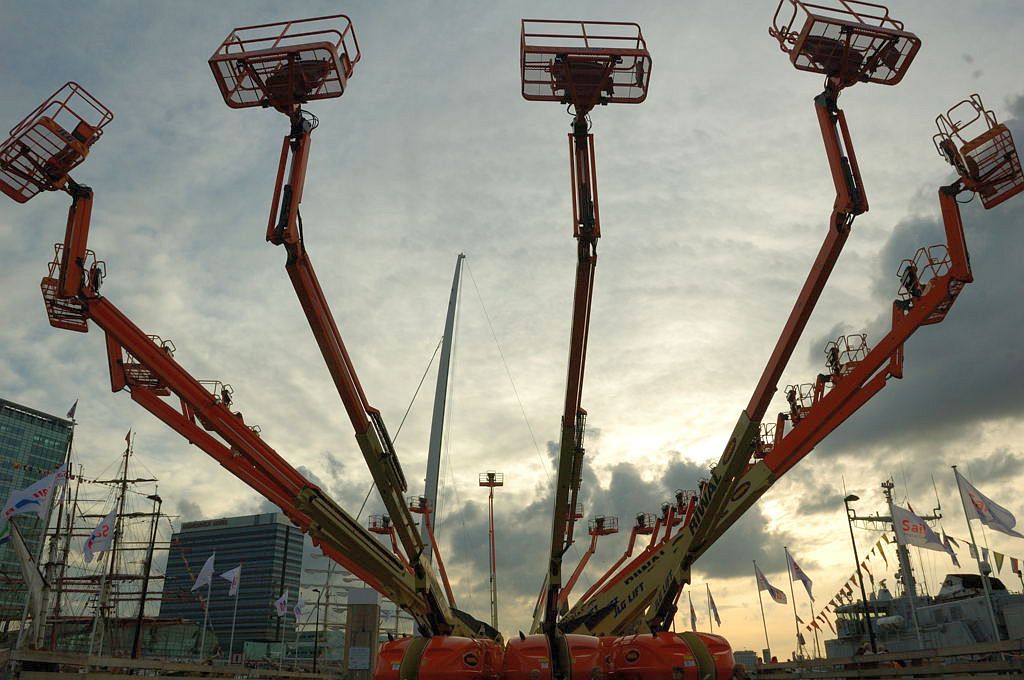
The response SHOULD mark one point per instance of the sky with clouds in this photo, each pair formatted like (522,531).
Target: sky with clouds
(714,198)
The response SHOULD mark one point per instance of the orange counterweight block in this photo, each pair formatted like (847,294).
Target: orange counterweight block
(441,657)
(848,41)
(528,657)
(686,656)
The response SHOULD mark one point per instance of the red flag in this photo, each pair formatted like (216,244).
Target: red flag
(1015,565)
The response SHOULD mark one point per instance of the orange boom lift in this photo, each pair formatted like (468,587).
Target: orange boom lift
(37,157)
(580,64)
(983,153)
(283,66)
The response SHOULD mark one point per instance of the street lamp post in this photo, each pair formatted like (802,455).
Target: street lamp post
(316,629)
(860,576)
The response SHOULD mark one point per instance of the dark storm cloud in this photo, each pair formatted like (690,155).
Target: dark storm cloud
(523,533)
(966,370)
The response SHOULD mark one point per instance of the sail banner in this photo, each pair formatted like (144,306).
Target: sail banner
(102,537)
(762,584)
(912,530)
(234,577)
(35,497)
(981,507)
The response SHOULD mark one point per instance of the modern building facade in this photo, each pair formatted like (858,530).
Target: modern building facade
(32,445)
(268,547)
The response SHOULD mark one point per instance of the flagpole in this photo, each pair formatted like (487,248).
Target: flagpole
(814,628)
(234,615)
(767,644)
(206,618)
(96,617)
(977,556)
(796,619)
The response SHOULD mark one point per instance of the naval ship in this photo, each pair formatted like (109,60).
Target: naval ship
(957,615)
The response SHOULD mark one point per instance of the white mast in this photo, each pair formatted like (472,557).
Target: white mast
(440,395)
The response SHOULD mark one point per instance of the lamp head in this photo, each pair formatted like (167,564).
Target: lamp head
(851,498)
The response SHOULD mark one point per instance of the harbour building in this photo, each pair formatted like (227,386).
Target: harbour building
(32,445)
(268,547)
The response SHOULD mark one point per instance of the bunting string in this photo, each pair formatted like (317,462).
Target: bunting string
(844,595)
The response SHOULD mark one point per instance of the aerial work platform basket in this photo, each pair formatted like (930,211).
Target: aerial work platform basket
(849,40)
(584,63)
(981,149)
(285,64)
(603,525)
(51,141)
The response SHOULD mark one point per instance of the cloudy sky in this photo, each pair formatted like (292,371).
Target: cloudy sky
(714,197)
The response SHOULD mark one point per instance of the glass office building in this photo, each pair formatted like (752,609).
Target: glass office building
(268,547)
(32,445)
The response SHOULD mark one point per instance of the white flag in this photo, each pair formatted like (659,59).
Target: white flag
(297,610)
(980,506)
(693,616)
(762,584)
(205,574)
(35,498)
(796,573)
(234,577)
(102,537)
(37,586)
(281,604)
(912,530)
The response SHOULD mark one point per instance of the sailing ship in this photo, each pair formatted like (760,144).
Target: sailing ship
(107,605)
